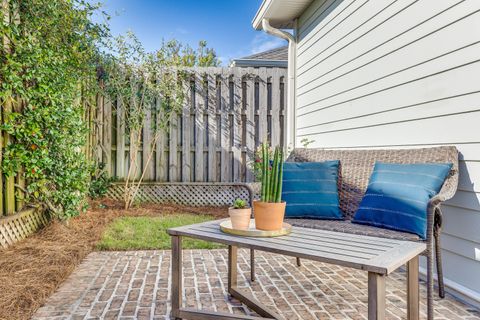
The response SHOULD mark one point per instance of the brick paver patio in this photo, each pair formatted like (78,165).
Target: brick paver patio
(135,285)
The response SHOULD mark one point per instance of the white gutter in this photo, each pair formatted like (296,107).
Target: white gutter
(259,63)
(292,47)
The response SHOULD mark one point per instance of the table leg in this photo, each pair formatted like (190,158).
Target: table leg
(176,276)
(413,290)
(299,263)
(241,295)
(252,265)
(376,296)
(232,268)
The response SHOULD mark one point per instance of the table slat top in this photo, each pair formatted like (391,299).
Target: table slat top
(367,253)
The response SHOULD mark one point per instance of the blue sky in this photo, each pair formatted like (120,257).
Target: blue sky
(224,24)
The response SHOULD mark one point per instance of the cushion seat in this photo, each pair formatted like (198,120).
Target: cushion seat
(348,227)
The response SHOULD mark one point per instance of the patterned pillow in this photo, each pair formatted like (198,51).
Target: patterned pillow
(310,190)
(397,196)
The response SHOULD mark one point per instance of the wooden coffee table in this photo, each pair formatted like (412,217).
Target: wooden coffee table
(377,256)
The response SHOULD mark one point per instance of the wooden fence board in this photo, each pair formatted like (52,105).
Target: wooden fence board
(283,111)
(224,127)
(99,128)
(275,111)
(147,163)
(250,118)
(237,125)
(9,190)
(214,137)
(212,125)
(173,150)
(185,135)
(120,147)
(1,161)
(107,134)
(199,126)
(9,181)
(262,110)
(161,159)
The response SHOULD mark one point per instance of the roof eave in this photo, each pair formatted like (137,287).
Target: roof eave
(257,20)
(267,11)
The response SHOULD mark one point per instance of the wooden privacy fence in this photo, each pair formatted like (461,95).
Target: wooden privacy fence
(228,113)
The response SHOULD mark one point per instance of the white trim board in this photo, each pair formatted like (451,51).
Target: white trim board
(458,291)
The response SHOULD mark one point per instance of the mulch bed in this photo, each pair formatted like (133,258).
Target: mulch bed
(31,270)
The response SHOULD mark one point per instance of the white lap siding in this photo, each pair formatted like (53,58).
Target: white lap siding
(395,74)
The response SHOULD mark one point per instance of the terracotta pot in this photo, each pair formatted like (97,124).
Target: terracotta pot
(269,215)
(240,218)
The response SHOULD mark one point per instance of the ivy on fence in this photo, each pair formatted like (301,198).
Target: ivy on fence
(49,77)
(48,61)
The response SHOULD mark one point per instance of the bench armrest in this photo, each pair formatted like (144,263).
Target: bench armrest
(435,217)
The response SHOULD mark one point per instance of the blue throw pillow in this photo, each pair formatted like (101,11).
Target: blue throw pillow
(310,190)
(397,196)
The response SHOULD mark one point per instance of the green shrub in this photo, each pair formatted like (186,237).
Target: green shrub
(99,181)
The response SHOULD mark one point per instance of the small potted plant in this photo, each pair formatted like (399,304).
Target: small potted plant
(270,210)
(240,214)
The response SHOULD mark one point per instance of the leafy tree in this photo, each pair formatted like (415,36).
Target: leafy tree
(138,80)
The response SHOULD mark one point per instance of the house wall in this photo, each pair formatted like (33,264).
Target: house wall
(406,73)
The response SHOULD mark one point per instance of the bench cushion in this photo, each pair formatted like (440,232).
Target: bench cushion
(310,190)
(398,194)
(348,227)
(356,167)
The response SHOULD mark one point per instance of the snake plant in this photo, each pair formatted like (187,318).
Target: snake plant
(272,174)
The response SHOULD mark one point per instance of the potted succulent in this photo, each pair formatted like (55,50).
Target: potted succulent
(240,214)
(270,210)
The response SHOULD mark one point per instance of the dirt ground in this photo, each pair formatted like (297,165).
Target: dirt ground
(31,270)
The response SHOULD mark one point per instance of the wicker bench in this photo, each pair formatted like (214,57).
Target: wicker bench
(355,169)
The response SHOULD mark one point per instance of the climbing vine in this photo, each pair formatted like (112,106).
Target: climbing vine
(48,63)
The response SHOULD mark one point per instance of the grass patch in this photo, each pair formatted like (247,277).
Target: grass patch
(137,233)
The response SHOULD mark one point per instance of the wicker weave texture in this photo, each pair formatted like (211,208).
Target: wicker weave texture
(190,194)
(19,226)
(356,167)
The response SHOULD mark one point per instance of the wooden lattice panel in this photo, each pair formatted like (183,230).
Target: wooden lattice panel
(191,194)
(19,226)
